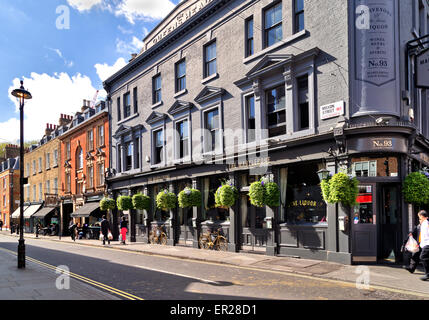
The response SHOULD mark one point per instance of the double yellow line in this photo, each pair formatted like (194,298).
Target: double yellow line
(82,278)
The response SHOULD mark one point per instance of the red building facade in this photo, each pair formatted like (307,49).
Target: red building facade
(84,160)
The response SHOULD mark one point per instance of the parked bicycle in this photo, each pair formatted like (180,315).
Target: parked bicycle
(157,236)
(213,240)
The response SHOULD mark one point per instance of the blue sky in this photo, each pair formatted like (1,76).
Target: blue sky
(61,67)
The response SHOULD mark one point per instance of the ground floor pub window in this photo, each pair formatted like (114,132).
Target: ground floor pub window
(304,201)
(211,212)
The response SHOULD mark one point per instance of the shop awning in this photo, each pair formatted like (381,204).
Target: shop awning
(86,210)
(15,214)
(43,212)
(31,210)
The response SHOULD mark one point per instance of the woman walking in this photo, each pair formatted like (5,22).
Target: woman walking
(124,229)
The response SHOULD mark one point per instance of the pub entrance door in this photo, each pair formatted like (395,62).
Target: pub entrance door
(364,225)
(253,233)
(185,231)
(390,224)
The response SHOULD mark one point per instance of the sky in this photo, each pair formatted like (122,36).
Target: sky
(63,50)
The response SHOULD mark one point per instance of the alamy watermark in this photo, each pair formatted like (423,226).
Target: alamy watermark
(63,280)
(63,20)
(363,280)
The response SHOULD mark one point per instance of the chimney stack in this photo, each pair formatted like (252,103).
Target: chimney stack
(85,105)
(48,129)
(64,120)
(11,151)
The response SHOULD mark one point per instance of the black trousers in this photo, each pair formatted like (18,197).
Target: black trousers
(105,237)
(424,257)
(411,260)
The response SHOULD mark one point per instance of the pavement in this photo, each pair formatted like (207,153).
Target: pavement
(385,277)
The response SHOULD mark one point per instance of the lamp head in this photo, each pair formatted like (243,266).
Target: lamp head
(21,92)
(323,174)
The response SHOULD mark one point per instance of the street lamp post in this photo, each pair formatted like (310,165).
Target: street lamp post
(22,95)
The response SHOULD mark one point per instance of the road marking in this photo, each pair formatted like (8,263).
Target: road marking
(350,284)
(178,274)
(81,278)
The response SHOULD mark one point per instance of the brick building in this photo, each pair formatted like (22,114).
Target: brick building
(9,189)
(42,168)
(84,159)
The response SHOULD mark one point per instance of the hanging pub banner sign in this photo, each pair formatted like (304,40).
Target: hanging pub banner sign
(422,66)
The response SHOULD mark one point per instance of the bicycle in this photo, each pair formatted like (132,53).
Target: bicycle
(213,240)
(157,236)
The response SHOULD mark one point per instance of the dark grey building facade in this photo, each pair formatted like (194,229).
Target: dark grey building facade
(240,90)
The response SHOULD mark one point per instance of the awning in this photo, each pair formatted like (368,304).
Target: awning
(43,212)
(31,210)
(86,210)
(15,214)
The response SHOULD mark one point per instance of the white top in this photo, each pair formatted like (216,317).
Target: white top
(424,232)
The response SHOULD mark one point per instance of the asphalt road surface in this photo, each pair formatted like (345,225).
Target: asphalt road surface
(149,277)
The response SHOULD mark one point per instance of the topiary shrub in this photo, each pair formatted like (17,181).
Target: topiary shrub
(124,203)
(141,201)
(416,188)
(257,194)
(106,204)
(226,195)
(166,200)
(189,198)
(342,189)
(272,194)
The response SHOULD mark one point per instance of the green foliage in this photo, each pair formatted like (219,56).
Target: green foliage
(124,203)
(416,188)
(141,201)
(272,194)
(106,204)
(189,198)
(166,200)
(324,185)
(257,194)
(340,188)
(226,195)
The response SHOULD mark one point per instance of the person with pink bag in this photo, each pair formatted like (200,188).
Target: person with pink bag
(124,229)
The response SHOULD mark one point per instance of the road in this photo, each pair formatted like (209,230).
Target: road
(164,278)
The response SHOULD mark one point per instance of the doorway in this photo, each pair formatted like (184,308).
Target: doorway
(254,234)
(390,224)
(185,229)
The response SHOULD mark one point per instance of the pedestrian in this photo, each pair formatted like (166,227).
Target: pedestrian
(424,242)
(12,228)
(1,225)
(124,229)
(105,229)
(412,259)
(72,227)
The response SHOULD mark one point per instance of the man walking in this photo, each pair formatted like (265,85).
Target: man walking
(105,229)
(424,242)
(1,225)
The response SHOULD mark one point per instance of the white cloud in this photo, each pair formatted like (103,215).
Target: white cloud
(52,95)
(129,47)
(68,63)
(84,5)
(144,9)
(104,71)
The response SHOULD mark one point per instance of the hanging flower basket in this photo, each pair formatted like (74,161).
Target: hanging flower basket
(166,200)
(188,198)
(141,201)
(416,188)
(106,204)
(340,189)
(257,194)
(124,203)
(272,194)
(226,196)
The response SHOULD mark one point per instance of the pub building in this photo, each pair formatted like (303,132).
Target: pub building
(234,91)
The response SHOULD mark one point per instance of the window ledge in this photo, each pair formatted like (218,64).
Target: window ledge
(157,104)
(180,93)
(135,115)
(210,78)
(157,166)
(276,46)
(182,161)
